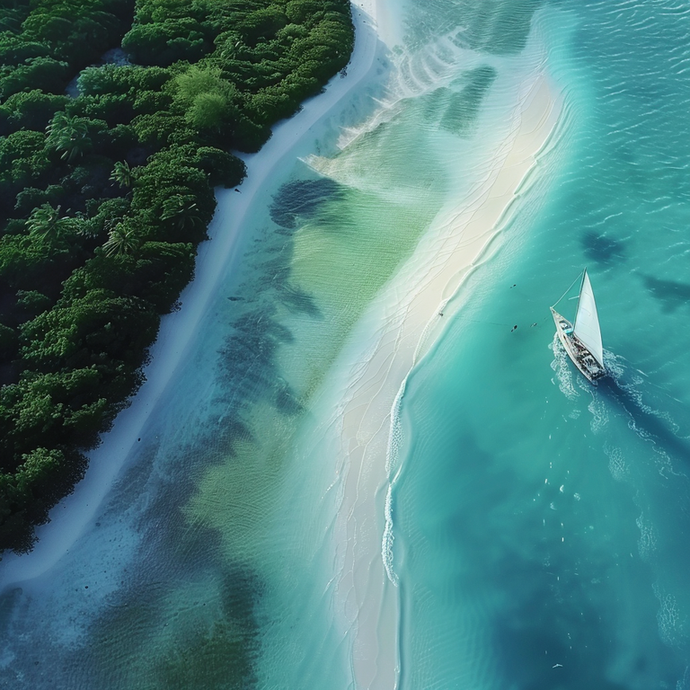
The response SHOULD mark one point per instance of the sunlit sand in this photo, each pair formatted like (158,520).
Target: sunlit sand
(415,306)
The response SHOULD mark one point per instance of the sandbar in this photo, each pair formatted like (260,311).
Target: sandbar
(412,312)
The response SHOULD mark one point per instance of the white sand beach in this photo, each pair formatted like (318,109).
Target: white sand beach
(415,306)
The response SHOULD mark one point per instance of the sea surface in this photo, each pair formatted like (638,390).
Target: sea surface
(540,524)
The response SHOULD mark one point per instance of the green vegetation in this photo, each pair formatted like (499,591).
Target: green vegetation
(105,197)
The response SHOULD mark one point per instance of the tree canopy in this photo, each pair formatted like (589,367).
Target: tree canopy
(105,195)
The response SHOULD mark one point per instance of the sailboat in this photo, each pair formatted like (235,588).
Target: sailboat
(582,341)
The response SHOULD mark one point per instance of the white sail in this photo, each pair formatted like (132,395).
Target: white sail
(587,321)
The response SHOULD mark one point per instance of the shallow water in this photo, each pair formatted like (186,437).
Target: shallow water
(539,523)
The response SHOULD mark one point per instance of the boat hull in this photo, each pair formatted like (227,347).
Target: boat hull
(581,357)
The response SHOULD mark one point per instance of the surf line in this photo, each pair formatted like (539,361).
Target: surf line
(393,467)
(405,321)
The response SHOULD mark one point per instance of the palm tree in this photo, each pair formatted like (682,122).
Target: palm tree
(45,223)
(182,210)
(122,174)
(121,240)
(43,220)
(69,135)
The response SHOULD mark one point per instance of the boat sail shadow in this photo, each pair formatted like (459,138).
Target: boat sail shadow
(648,424)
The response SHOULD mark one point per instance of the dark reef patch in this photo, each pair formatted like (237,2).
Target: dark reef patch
(463,106)
(302,199)
(671,293)
(602,249)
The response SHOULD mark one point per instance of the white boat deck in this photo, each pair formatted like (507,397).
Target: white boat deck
(578,353)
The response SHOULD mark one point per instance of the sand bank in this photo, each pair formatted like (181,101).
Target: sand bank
(411,313)
(216,258)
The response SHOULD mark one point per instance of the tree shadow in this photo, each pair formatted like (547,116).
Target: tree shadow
(672,294)
(601,249)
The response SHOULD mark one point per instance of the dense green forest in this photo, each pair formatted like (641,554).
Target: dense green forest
(104,196)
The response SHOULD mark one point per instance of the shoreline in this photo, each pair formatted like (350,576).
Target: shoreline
(215,258)
(411,315)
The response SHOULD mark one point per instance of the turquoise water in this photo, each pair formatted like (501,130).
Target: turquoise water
(539,523)
(543,522)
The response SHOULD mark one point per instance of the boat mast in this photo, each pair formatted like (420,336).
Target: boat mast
(555,304)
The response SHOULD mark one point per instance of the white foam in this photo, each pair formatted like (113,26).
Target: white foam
(599,411)
(393,469)
(671,621)
(388,539)
(646,544)
(617,466)
(561,367)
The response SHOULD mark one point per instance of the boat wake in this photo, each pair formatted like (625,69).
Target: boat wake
(562,369)
(648,423)
(623,386)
